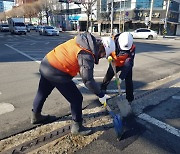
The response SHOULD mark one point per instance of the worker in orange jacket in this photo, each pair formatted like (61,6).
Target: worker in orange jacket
(124,60)
(59,66)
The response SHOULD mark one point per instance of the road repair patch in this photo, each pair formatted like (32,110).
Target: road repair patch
(132,130)
(6,107)
(64,144)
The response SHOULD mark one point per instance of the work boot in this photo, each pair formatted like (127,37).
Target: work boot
(38,118)
(78,129)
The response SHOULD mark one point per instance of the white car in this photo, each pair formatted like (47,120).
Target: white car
(48,30)
(38,28)
(4,28)
(144,33)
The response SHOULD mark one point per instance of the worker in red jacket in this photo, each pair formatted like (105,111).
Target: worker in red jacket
(59,66)
(124,60)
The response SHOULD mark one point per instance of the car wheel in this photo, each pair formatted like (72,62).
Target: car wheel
(150,37)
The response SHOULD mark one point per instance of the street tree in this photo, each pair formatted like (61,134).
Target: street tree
(47,7)
(88,7)
(29,11)
(2,16)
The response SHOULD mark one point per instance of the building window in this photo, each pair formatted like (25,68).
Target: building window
(174,6)
(145,4)
(158,4)
(103,5)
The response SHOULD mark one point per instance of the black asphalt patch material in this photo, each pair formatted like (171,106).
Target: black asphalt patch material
(132,130)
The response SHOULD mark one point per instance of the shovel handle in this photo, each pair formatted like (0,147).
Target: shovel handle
(110,59)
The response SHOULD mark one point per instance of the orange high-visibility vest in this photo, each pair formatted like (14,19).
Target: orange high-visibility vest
(64,57)
(120,60)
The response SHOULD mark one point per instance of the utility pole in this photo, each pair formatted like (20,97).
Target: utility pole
(91,17)
(124,16)
(166,16)
(150,14)
(120,16)
(112,14)
(67,17)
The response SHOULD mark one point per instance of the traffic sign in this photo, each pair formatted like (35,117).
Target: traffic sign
(127,13)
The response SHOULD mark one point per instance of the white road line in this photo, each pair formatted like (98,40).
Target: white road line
(176,97)
(160,124)
(97,77)
(0,93)
(32,43)
(115,91)
(22,53)
(79,83)
(79,78)
(97,70)
(6,107)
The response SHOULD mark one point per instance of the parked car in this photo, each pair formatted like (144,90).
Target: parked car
(31,26)
(48,30)
(28,28)
(40,30)
(144,33)
(38,27)
(4,28)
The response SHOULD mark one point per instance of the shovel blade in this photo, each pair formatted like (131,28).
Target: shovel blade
(123,105)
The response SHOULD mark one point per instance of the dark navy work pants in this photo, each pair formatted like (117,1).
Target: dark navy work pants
(68,90)
(126,73)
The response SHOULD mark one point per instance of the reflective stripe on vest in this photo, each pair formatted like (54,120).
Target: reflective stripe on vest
(64,57)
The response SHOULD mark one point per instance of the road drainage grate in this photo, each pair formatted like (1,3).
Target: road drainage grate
(44,139)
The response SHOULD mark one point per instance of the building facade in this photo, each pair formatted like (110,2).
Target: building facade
(1,6)
(127,15)
(75,16)
(8,5)
(133,14)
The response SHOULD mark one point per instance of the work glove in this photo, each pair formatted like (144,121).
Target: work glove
(103,99)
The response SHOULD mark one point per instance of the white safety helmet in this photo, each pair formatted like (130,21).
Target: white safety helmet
(109,45)
(125,40)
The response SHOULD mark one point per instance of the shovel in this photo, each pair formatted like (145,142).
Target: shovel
(123,104)
(117,122)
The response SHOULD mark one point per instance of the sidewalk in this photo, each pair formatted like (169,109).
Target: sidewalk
(169,37)
(97,34)
(103,140)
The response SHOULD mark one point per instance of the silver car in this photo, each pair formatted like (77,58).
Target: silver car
(144,33)
(48,30)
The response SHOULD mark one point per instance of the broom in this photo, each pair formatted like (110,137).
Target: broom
(123,104)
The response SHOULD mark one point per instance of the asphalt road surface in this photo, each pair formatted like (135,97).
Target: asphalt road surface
(20,56)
